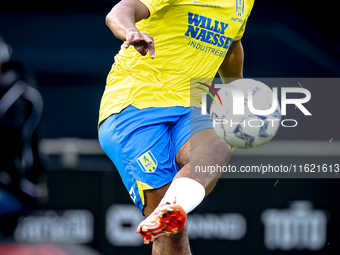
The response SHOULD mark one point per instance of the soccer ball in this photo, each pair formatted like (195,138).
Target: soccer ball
(247,130)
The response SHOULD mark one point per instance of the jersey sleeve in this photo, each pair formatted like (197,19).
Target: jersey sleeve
(155,5)
(243,26)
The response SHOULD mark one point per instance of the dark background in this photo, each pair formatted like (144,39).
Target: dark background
(69,50)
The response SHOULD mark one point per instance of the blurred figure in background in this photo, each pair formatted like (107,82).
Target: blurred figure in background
(21,108)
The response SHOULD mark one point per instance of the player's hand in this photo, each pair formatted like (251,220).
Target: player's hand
(141,41)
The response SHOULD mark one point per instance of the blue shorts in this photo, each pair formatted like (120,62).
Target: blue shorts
(143,144)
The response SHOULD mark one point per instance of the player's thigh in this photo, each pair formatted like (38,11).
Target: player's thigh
(194,135)
(183,154)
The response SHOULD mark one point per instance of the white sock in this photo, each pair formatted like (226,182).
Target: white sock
(187,192)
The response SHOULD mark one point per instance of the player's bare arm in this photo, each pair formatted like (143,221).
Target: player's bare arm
(232,66)
(121,21)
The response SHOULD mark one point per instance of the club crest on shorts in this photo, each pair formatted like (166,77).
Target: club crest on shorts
(147,162)
(239,7)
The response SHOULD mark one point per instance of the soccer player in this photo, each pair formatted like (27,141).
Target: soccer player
(149,125)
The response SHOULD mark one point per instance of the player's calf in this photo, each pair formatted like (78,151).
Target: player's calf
(210,156)
(203,150)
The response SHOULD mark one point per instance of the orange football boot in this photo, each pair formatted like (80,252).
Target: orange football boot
(166,219)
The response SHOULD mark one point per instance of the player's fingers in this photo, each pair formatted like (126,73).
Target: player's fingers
(145,51)
(148,39)
(136,37)
(132,38)
(150,45)
(142,43)
(141,49)
(151,48)
(127,42)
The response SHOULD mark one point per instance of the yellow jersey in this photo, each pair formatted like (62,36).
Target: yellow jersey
(191,40)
